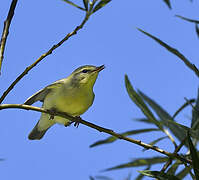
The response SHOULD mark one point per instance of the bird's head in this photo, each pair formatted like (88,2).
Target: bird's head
(86,75)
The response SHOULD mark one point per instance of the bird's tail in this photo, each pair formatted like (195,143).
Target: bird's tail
(37,134)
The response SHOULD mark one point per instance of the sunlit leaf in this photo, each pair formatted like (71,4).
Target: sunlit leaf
(128,133)
(156,141)
(183,106)
(73,4)
(194,156)
(195,114)
(187,19)
(158,175)
(86,4)
(173,168)
(175,52)
(140,103)
(168,3)
(101,4)
(140,162)
(141,176)
(163,115)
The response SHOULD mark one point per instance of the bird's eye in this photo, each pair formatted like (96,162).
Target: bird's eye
(85,70)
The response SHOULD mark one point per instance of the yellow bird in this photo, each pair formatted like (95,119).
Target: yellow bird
(72,95)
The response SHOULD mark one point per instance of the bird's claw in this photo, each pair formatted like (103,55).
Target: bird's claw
(77,121)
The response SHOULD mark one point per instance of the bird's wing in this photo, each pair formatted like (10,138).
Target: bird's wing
(41,94)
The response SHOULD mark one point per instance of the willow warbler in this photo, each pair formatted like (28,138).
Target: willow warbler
(72,95)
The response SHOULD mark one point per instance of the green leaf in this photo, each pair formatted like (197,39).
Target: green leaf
(168,3)
(101,4)
(187,19)
(73,4)
(195,114)
(140,162)
(86,4)
(163,115)
(156,141)
(159,175)
(197,29)
(183,173)
(128,133)
(141,176)
(183,106)
(140,103)
(172,170)
(145,120)
(194,156)
(175,52)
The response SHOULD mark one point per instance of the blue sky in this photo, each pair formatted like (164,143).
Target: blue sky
(110,37)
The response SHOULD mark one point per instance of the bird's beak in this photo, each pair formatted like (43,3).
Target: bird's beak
(98,69)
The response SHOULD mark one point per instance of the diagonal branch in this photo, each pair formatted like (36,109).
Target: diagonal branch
(5,33)
(99,128)
(88,13)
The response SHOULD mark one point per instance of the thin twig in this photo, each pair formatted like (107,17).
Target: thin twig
(5,33)
(169,162)
(99,128)
(183,106)
(88,13)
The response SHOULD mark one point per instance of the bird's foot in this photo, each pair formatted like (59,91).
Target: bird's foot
(77,121)
(52,115)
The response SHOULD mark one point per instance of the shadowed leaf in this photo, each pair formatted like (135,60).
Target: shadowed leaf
(194,156)
(103,178)
(197,30)
(183,106)
(168,3)
(187,19)
(195,114)
(183,173)
(140,162)
(101,4)
(128,133)
(140,103)
(175,52)
(73,4)
(158,175)
(163,115)
(145,120)
(172,170)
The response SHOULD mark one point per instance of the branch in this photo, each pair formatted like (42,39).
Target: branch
(88,13)
(6,30)
(99,128)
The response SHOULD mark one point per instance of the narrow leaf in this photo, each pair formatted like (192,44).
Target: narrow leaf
(172,170)
(163,115)
(159,175)
(197,29)
(156,141)
(140,103)
(141,176)
(182,107)
(86,4)
(195,114)
(101,4)
(175,52)
(103,178)
(194,156)
(73,4)
(168,3)
(128,133)
(140,162)
(183,173)
(145,120)
(187,19)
